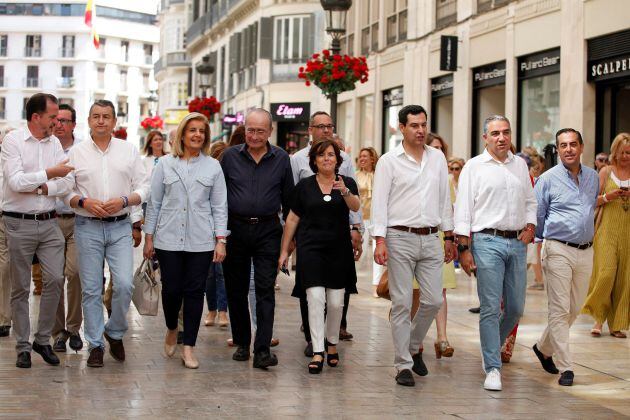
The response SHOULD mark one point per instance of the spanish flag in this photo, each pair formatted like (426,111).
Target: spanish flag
(90,14)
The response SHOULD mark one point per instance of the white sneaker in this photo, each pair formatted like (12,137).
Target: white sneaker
(493,380)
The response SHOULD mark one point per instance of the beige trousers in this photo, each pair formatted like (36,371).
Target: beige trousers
(72,321)
(567,273)
(5,279)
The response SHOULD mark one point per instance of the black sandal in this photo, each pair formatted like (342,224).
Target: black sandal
(316,366)
(332,358)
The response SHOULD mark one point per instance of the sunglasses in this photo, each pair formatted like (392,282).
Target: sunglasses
(602,159)
(455,168)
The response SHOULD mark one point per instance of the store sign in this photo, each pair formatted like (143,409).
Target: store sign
(393,97)
(291,111)
(448,53)
(442,86)
(610,68)
(539,64)
(489,75)
(233,119)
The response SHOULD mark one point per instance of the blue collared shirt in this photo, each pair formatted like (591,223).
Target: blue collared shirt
(566,208)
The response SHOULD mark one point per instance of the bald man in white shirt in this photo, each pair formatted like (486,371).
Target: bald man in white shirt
(410,204)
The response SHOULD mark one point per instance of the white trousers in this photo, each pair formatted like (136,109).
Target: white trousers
(325,309)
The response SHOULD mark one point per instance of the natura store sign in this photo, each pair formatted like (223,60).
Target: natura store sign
(290,111)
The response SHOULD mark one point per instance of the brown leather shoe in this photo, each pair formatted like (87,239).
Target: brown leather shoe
(96,358)
(116,348)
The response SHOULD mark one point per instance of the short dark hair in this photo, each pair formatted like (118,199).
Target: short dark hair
(38,103)
(569,130)
(67,107)
(311,120)
(105,104)
(410,109)
(318,149)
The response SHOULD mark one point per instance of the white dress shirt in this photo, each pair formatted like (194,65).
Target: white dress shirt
(60,205)
(301,169)
(102,175)
(24,163)
(410,193)
(494,195)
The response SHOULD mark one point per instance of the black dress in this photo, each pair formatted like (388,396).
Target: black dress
(323,243)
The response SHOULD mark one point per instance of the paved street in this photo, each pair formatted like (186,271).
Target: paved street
(149,385)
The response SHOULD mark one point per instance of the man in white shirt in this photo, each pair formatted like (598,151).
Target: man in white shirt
(5,273)
(35,170)
(495,216)
(109,180)
(321,128)
(410,203)
(67,326)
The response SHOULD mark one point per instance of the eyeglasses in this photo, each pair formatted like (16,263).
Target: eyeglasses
(63,121)
(455,168)
(324,126)
(601,159)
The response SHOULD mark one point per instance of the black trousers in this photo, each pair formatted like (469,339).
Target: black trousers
(260,242)
(304,314)
(184,277)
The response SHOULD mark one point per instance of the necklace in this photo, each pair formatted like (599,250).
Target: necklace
(326,197)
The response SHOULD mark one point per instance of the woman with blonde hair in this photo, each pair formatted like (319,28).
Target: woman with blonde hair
(365,180)
(609,290)
(189,200)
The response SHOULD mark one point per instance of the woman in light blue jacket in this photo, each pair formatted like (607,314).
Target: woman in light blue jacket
(186,226)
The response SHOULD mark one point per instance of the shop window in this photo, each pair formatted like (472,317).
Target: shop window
(445,13)
(345,124)
(392,103)
(367,127)
(488,99)
(442,107)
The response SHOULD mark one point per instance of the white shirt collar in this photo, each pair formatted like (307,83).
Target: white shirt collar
(488,157)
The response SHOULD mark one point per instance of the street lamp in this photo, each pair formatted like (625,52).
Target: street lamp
(205,71)
(336,11)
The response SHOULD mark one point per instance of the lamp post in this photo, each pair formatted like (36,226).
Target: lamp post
(336,11)
(205,71)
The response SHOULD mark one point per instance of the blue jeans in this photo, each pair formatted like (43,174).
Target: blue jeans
(501,275)
(215,288)
(96,242)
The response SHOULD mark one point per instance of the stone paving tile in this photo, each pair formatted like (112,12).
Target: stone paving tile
(148,385)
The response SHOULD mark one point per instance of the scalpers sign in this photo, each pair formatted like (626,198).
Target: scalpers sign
(296,111)
(609,68)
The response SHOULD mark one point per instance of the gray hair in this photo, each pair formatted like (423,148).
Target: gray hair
(260,111)
(493,118)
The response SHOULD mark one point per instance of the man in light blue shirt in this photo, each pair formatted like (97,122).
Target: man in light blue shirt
(567,196)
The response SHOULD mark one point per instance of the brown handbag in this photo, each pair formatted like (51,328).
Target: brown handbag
(382,290)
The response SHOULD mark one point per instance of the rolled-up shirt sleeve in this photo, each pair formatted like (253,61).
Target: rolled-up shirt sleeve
(154,204)
(218,204)
(380,197)
(59,187)
(464,203)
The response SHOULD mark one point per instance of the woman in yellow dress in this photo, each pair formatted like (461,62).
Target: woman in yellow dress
(442,346)
(609,291)
(365,179)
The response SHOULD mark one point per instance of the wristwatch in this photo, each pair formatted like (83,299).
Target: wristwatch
(462,248)
(40,191)
(359,229)
(222,241)
(81,202)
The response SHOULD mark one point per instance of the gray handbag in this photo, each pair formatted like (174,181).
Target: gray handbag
(146,289)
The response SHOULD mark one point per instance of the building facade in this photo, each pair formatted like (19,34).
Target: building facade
(545,64)
(46,47)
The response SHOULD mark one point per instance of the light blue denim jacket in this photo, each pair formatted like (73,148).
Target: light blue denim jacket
(187,208)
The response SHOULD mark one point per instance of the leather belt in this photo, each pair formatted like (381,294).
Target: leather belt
(65,216)
(578,246)
(26,216)
(417,231)
(510,234)
(253,220)
(109,219)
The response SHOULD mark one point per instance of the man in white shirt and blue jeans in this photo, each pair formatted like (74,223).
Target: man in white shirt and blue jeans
(109,179)
(410,203)
(34,169)
(495,215)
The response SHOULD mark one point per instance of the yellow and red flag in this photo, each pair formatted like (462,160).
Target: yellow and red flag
(90,14)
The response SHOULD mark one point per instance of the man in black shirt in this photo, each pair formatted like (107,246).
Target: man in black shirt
(259,184)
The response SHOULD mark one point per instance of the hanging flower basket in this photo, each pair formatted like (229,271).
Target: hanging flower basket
(152,123)
(334,73)
(120,133)
(206,106)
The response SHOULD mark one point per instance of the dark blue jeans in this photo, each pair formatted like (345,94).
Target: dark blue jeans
(215,289)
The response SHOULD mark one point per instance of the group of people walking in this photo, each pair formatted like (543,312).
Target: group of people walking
(244,214)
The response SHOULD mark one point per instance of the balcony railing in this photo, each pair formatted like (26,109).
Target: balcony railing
(207,21)
(174,59)
(65,82)
(32,52)
(66,52)
(31,82)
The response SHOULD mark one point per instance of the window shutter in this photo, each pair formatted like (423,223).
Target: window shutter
(266,38)
(233,54)
(308,36)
